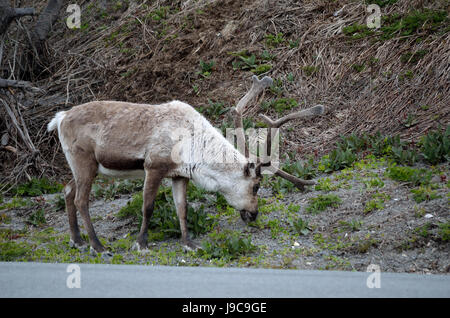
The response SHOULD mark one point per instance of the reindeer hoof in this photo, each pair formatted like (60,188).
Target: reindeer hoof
(107,255)
(82,247)
(104,253)
(141,249)
(191,247)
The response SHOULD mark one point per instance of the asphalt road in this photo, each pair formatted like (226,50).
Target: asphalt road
(97,280)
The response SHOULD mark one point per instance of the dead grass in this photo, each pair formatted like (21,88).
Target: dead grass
(126,54)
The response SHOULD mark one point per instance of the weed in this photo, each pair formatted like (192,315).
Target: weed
(164,217)
(410,175)
(310,69)
(413,58)
(245,62)
(435,146)
(337,160)
(108,189)
(377,202)
(353,225)
(425,20)
(322,202)
(37,218)
(16,202)
(358,67)
(12,251)
(373,183)
(300,226)
(422,193)
(274,40)
(59,203)
(36,187)
(226,245)
(205,68)
(275,227)
(357,31)
(444,231)
(325,184)
(214,110)
(280,105)
(262,68)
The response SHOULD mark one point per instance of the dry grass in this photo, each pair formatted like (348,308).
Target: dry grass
(129,54)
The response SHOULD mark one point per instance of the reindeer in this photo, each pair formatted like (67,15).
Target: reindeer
(126,140)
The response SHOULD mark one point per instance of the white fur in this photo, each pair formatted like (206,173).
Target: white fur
(124,174)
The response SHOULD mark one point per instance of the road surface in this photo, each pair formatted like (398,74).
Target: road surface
(99,280)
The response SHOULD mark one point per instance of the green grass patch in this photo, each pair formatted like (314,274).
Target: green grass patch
(36,187)
(164,218)
(227,245)
(424,193)
(322,202)
(377,202)
(409,175)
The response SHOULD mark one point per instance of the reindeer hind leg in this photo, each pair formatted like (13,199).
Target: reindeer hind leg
(69,196)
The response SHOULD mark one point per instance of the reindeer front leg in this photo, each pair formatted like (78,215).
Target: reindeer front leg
(179,187)
(153,179)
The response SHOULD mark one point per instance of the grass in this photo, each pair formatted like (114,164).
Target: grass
(322,202)
(16,202)
(412,176)
(376,202)
(164,218)
(36,187)
(424,193)
(396,25)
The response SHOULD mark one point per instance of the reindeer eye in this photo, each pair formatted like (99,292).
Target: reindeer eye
(255,189)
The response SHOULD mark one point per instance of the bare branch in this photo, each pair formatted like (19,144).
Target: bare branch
(8,14)
(22,132)
(4,83)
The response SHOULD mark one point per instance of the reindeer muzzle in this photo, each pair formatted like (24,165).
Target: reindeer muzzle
(248,216)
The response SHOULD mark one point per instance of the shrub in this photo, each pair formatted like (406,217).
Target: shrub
(435,146)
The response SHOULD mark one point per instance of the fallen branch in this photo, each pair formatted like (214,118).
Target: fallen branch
(4,83)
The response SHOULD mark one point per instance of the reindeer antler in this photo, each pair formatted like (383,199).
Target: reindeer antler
(257,87)
(316,110)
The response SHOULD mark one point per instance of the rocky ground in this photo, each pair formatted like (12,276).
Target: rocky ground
(375,220)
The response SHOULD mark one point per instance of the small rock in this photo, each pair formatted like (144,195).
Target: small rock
(428,216)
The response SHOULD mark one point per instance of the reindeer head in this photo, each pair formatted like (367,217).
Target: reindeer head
(245,196)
